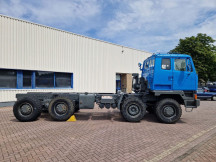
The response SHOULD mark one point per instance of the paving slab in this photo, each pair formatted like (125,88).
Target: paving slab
(102,135)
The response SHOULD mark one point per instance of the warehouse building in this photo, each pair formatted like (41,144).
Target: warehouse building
(37,58)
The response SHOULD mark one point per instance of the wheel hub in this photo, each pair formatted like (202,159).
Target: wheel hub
(133,110)
(168,111)
(61,108)
(26,109)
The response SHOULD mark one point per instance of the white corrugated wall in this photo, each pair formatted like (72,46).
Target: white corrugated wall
(94,63)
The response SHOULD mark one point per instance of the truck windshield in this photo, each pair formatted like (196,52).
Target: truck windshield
(180,64)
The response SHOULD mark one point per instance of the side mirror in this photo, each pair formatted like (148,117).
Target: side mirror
(139,64)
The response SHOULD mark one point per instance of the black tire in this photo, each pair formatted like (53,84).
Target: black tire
(61,108)
(133,109)
(27,109)
(150,109)
(168,111)
(213,98)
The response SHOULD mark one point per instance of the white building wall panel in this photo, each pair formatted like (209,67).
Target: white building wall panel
(10,94)
(94,63)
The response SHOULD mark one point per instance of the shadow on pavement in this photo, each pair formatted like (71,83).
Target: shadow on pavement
(109,115)
(14,120)
(150,118)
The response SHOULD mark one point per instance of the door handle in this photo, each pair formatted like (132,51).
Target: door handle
(170,77)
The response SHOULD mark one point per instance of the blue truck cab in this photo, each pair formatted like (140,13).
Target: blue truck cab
(167,81)
(170,72)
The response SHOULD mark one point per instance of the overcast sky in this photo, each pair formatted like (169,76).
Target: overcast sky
(150,25)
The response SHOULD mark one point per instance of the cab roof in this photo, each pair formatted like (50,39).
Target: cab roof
(170,55)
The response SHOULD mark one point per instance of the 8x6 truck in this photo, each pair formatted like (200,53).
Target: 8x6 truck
(167,81)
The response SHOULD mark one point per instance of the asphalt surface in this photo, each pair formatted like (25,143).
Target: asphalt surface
(102,135)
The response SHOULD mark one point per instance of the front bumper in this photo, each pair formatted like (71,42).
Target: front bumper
(192,103)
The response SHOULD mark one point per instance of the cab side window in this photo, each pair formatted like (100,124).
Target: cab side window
(150,63)
(153,63)
(189,66)
(146,64)
(165,64)
(180,64)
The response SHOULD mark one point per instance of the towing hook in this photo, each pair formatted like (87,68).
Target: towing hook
(190,109)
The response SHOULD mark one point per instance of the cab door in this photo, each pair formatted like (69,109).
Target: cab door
(163,77)
(183,74)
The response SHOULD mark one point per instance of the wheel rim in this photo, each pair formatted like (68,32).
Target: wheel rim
(169,111)
(214,98)
(133,110)
(61,108)
(25,109)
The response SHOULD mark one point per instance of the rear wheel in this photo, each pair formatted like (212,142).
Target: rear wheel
(27,109)
(61,108)
(213,98)
(133,109)
(168,111)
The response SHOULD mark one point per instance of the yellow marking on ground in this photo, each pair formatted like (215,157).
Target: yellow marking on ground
(179,145)
(72,118)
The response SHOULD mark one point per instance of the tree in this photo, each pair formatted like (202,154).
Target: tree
(203,52)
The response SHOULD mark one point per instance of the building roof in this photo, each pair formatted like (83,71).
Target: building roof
(25,21)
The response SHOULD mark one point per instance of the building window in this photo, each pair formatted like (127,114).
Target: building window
(27,79)
(63,80)
(165,65)
(18,79)
(44,79)
(8,78)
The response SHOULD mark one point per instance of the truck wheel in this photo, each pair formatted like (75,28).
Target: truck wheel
(213,98)
(133,109)
(61,108)
(168,111)
(27,109)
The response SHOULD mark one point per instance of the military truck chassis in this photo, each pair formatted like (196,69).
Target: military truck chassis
(133,106)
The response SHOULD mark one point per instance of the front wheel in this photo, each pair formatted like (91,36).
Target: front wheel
(168,111)
(133,109)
